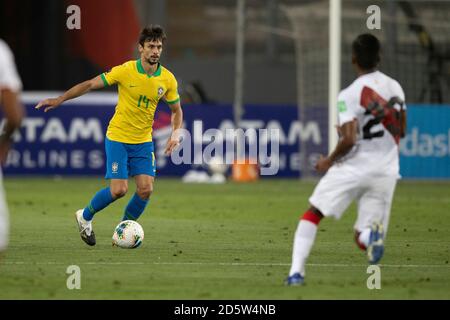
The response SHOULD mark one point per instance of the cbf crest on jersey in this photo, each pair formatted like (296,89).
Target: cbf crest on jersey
(160,91)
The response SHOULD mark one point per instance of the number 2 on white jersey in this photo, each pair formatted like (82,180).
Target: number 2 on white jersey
(382,111)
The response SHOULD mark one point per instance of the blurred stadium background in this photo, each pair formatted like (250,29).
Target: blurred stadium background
(285,74)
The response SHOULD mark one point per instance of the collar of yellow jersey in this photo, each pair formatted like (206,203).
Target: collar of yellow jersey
(140,69)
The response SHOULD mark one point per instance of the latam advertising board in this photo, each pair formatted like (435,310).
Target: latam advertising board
(66,141)
(70,139)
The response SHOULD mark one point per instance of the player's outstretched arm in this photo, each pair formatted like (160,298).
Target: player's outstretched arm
(76,91)
(177,121)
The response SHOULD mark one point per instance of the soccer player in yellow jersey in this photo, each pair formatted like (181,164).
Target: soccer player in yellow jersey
(128,143)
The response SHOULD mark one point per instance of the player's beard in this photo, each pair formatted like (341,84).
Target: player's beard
(154,61)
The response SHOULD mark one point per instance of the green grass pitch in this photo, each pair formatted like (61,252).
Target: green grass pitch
(229,241)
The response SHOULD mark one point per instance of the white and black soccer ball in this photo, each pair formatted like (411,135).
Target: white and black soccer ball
(128,234)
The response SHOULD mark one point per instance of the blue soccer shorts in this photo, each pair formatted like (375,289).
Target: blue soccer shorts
(127,159)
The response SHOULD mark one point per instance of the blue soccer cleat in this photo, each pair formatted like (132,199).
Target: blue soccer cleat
(295,280)
(375,249)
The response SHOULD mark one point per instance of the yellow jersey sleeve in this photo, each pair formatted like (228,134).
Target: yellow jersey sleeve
(114,76)
(172,95)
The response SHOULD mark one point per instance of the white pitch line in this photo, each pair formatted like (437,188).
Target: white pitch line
(244,264)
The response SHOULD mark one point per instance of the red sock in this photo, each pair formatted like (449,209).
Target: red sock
(312,217)
(360,245)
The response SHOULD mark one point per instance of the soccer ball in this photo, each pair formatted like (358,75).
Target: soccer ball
(128,234)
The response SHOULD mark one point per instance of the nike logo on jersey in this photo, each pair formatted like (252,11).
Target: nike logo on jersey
(132,86)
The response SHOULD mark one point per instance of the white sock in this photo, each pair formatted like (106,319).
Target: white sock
(303,242)
(364,237)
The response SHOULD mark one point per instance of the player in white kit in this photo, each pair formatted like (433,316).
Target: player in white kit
(364,166)
(10,86)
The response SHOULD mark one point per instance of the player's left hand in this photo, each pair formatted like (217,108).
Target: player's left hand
(323,164)
(171,145)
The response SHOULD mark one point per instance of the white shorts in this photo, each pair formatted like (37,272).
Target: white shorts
(340,186)
(4,218)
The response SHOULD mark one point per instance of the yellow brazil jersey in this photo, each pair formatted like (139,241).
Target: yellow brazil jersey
(139,94)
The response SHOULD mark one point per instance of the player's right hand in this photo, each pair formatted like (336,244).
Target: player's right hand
(49,104)
(323,164)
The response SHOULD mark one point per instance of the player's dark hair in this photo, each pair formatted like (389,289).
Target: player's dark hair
(151,33)
(366,50)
